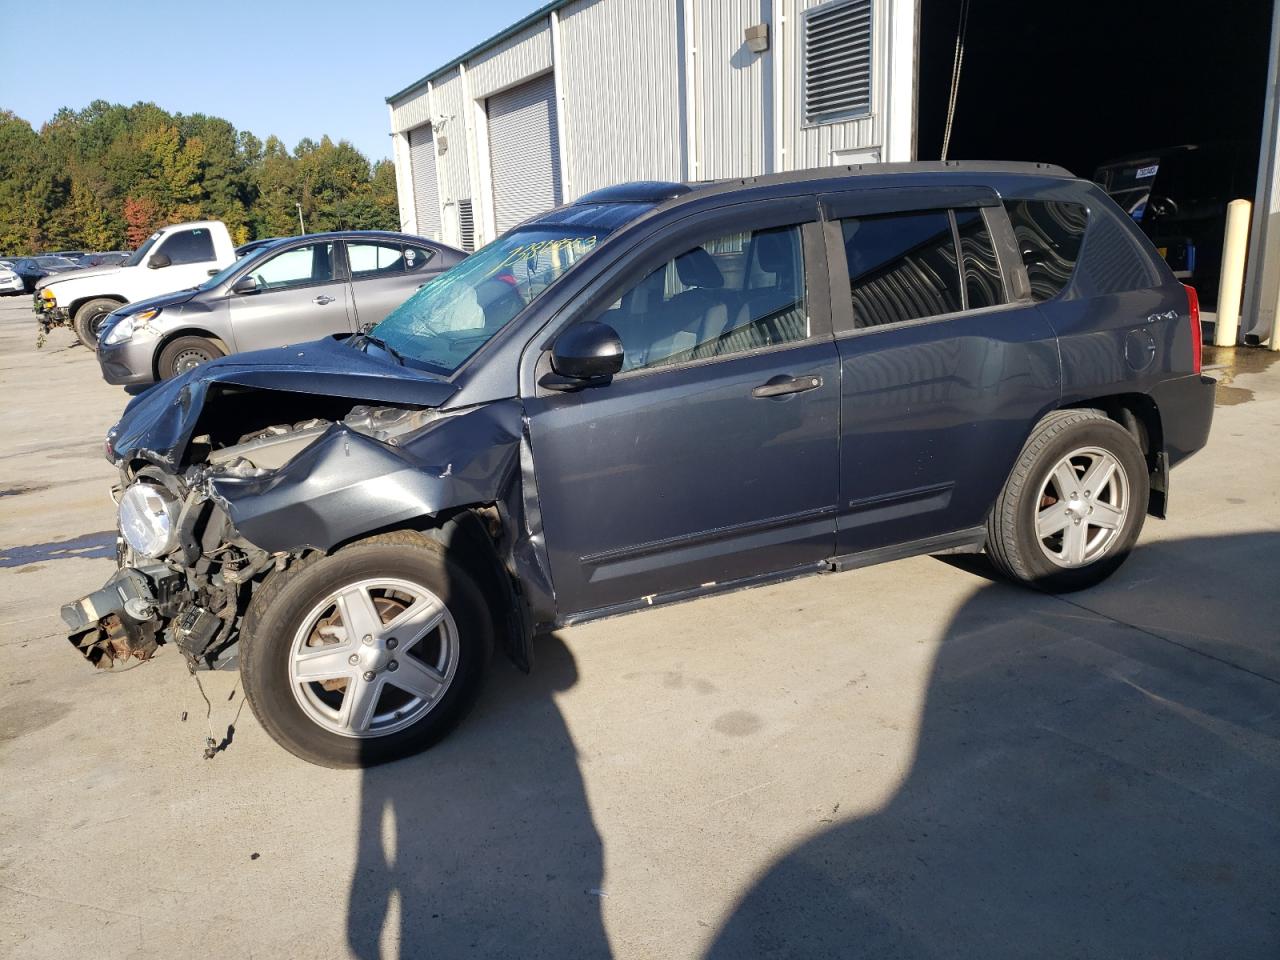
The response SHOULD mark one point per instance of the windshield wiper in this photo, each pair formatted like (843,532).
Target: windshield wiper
(378,341)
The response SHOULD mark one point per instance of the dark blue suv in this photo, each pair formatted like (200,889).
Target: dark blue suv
(657,392)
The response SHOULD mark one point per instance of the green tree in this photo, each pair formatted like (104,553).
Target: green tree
(109,174)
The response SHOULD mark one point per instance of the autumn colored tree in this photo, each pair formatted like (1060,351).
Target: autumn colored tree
(141,217)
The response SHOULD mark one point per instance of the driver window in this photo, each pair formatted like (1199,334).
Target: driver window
(298,267)
(732,294)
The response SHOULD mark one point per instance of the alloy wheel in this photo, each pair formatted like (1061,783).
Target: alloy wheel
(1082,507)
(373,657)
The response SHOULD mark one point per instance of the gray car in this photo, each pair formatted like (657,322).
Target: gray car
(290,291)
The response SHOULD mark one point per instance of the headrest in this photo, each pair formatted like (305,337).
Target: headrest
(697,268)
(775,250)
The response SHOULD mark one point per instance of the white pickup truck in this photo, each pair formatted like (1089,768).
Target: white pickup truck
(173,258)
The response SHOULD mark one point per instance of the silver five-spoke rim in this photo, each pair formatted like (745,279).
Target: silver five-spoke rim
(1082,507)
(373,657)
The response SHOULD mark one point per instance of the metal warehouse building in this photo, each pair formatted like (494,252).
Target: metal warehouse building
(587,93)
(582,94)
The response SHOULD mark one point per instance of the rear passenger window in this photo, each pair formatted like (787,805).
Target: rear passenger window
(374,259)
(736,293)
(1049,235)
(901,267)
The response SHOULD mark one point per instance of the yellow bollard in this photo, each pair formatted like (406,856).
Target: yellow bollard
(1235,244)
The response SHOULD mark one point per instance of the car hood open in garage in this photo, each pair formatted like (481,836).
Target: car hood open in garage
(158,424)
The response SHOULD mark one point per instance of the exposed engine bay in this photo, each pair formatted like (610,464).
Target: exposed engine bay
(186,573)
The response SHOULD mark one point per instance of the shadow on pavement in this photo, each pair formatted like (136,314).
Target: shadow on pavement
(485,845)
(1081,788)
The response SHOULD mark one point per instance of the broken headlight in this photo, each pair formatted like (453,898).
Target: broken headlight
(149,519)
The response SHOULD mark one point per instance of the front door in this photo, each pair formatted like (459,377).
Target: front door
(712,457)
(301,295)
(946,362)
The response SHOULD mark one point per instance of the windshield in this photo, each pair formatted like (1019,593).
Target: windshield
(141,252)
(52,261)
(455,314)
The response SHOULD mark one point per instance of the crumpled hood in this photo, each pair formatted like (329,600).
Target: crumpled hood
(157,425)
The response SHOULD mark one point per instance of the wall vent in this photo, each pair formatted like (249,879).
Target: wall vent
(837,61)
(466,226)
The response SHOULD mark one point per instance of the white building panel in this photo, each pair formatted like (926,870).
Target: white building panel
(732,98)
(512,61)
(413,111)
(621,77)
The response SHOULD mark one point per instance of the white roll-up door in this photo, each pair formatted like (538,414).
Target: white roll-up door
(523,151)
(426,192)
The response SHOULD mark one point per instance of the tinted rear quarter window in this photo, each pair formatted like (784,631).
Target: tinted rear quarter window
(1049,234)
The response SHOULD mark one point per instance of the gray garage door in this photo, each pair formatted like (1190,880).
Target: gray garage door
(523,151)
(426,196)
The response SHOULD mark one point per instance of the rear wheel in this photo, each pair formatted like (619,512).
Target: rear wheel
(186,353)
(368,655)
(89,318)
(1073,506)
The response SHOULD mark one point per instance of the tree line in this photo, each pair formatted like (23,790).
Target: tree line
(105,177)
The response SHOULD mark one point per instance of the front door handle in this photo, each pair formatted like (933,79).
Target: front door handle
(322,300)
(782,385)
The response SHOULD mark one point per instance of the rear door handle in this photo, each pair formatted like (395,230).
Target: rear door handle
(322,300)
(782,385)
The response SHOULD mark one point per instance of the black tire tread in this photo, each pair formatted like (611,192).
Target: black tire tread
(1002,545)
(275,584)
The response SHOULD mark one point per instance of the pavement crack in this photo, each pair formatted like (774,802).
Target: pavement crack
(1169,640)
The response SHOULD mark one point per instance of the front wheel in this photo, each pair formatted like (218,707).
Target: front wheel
(186,353)
(1073,506)
(89,319)
(368,655)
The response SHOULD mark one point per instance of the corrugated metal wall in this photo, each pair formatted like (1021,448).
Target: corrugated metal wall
(620,73)
(513,61)
(733,92)
(426,191)
(661,89)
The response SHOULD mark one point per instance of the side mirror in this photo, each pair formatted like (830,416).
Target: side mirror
(158,260)
(246,284)
(586,355)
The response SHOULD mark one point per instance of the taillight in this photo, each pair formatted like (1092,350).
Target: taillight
(1197,338)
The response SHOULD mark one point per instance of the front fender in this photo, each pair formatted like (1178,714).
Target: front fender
(347,484)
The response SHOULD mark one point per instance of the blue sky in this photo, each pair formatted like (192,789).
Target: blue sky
(295,69)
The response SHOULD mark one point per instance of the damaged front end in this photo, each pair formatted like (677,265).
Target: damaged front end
(233,472)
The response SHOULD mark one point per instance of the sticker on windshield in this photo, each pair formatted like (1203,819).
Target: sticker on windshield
(1144,172)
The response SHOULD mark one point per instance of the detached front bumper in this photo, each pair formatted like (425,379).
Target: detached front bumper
(123,618)
(136,610)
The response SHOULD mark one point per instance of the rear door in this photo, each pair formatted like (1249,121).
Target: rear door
(946,362)
(385,273)
(302,294)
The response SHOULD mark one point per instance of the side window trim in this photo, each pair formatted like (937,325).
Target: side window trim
(1017,286)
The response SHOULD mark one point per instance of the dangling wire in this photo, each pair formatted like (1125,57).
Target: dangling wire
(956,64)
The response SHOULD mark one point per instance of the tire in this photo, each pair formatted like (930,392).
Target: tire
(184,353)
(1098,527)
(88,319)
(306,717)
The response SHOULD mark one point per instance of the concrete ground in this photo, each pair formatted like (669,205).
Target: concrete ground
(907,760)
